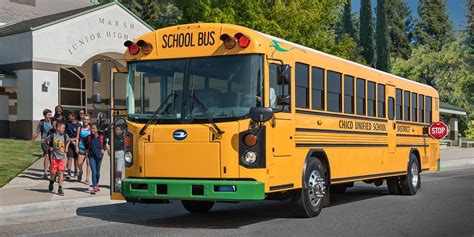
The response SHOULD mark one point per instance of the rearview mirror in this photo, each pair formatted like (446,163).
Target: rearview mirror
(283,74)
(96,71)
(96,99)
(260,114)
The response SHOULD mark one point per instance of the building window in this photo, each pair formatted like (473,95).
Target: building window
(399,105)
(317,86)
(334,93)
(414,111)
(406,105)
(302,85)
(72,89)
(371,99)
(348,94)
(380,101)
(421,108)
(360,96)
(428,110)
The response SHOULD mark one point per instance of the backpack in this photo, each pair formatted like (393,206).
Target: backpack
(89,140)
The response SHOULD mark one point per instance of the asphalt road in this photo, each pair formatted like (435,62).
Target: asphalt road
(443,207)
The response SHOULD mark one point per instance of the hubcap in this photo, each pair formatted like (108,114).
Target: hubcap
(316,188)
(414,175)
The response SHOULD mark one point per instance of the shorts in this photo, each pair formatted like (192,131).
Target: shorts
(82,151)
(71,151)
(57,165)
(45,148)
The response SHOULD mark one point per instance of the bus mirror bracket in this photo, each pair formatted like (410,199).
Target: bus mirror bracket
(283,74)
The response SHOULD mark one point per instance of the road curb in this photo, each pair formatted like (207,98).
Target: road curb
(49,210)
(461,162)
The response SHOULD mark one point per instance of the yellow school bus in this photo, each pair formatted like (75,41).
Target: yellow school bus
(220,112)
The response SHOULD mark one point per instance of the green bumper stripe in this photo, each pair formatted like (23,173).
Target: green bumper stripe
(182,189)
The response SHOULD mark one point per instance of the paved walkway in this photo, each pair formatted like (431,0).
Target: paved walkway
(29,186)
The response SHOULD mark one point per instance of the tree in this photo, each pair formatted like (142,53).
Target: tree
(447,70)
(307,22)
(400,28)
(382,40)
(434,27)
(366,33)
(347,23)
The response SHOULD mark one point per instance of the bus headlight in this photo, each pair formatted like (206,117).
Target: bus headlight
(250,157)
(128,159)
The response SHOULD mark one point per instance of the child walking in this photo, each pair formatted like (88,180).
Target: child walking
(59,143)
(96,148)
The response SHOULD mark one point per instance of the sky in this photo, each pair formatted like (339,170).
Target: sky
(457,10)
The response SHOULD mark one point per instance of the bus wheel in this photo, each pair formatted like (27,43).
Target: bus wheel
(197,206)
(338,188)
(310,200)
(393,185)
(410,183)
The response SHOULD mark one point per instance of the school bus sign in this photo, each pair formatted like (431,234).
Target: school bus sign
(438,130)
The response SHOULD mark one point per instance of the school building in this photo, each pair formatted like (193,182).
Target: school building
(47,48)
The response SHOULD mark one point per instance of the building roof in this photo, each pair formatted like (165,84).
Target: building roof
(40,22)
(451,109)
(20,10)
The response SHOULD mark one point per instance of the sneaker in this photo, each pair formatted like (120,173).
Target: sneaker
(72,174)
(79,177)
(60,191)
(93,191)
(51,186)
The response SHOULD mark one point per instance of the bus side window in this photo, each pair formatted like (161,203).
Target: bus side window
(428,109)
(275,89)
(406,105)
(391,108)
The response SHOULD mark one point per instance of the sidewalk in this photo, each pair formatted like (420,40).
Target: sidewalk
(27,195)
(452,157)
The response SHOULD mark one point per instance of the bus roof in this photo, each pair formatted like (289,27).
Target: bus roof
(341,59)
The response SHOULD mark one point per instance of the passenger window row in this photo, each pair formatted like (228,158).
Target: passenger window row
(414,108)
(365,98)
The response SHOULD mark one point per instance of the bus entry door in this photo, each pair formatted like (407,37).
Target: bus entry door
(117,109)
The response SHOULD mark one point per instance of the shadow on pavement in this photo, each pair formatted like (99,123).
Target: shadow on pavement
(222,216)
(39,190)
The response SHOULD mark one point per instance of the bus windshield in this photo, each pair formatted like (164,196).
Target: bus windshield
(226,86)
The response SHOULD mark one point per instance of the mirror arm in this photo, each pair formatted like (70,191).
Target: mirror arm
(111,125)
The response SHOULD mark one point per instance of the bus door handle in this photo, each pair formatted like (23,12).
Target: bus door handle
(394,125)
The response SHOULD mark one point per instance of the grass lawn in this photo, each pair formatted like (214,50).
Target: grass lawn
(15,156)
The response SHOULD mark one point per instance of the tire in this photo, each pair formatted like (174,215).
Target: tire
(197,206)
(393,185)
(338,188)
(313,196)
(411,182)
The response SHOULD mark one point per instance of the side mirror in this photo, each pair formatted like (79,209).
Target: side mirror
(100,119)
(283,100)
(260,114)
(283,74)
(96,71)
(96,99)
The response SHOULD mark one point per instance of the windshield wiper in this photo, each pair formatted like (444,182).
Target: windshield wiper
(205,112)
(158,111)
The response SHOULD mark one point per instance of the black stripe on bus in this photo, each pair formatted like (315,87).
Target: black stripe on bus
(412,145)
(283,186)
(411,135)
(338,131)
(368,176)
(414,124)
(339,115)
(339,145)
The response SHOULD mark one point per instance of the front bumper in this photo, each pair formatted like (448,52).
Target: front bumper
(193,189)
